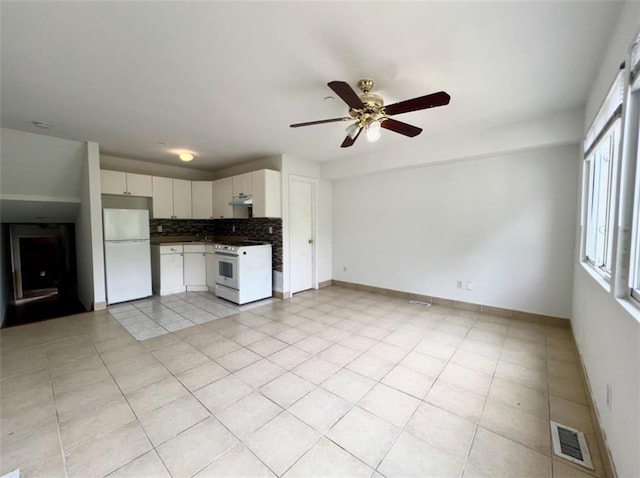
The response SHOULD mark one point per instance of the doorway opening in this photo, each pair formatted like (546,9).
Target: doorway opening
(43,273)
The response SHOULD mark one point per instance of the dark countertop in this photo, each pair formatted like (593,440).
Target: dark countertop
(174,240)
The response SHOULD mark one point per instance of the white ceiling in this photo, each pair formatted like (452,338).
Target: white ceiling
(225,79)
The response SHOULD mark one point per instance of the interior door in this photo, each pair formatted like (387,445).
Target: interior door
(301,210)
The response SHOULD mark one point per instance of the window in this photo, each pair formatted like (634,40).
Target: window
(602,147)
(600,169)
(632,137)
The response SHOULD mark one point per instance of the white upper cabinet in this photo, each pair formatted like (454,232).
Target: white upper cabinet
(222,194)
(182,199)
(202,199)
(267,193)
(128,184)
(113,182)
(171,198)
(162,197)
(243,185)
(139,185)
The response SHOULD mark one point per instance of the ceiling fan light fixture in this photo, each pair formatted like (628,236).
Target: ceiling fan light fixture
(352,130)
(373,131)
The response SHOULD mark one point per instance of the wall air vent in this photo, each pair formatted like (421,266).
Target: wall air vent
(570,444)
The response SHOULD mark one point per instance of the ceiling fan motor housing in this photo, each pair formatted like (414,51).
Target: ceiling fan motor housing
(373,104)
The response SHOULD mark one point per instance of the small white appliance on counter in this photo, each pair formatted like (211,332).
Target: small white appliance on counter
(243,271)
(127,254)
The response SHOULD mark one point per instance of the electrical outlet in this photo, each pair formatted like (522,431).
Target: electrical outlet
(233,228)
(459,284)
(469,285)
(270,229)
(609,396)
(159,228)
(344,269)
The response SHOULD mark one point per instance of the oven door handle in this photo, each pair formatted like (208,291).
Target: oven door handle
(226,254)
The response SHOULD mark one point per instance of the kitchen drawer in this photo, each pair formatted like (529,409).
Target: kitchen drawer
(195,248)
(171,249)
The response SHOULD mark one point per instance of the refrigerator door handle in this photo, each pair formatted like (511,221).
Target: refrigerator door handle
(122,241)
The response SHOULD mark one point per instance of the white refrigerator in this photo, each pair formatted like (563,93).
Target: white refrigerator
(127,254)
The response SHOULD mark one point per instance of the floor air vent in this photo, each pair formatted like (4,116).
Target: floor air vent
(417,302)
(570,444)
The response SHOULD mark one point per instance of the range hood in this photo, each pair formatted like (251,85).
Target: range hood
(243,201)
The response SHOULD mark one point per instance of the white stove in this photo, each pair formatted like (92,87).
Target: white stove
(243,271)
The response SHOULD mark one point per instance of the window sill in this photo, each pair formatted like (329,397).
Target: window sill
(631,307)
(599,278)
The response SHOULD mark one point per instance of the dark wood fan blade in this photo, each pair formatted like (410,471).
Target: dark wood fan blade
(344,91)
(348,141)
(400,127)
(423,102)
(310,123)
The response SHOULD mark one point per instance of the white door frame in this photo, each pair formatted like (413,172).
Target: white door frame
(314,226)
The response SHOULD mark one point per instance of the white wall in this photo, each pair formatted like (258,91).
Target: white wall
(116,163)
(271,162)
(40,177)
(615,53)
(558,128)
(40,167)
(89,245)
(608,333)
(292,166)
(324,233)
(505,223)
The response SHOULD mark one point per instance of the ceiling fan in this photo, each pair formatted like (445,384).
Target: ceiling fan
(370,114)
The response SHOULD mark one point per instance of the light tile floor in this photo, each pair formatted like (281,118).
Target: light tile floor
(334,382)
(155,316)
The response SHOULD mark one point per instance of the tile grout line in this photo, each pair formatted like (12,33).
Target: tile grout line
(402,429)
(53,395)
(137,419)
(484,405)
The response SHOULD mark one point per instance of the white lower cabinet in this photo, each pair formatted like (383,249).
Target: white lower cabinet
(195,267)
(211,268)
(167,269)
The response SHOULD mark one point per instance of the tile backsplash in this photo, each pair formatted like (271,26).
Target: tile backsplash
(181,227)
(255,229)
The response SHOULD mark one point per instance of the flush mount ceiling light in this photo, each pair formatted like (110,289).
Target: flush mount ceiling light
(186,157)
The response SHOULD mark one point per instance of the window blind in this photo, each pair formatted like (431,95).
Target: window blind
(610,110)
(634,58)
